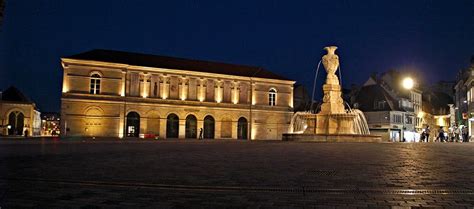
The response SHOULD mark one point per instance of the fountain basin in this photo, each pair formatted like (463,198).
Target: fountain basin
(308,137)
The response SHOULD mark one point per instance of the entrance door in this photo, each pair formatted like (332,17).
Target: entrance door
(133,124)
(242,128)
(16,121)
(209,125)
(191,127)
(172,126)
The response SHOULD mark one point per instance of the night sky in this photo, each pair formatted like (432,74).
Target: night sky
(435,38)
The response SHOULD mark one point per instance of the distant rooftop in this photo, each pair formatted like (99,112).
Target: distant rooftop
(157,61)
(12,94)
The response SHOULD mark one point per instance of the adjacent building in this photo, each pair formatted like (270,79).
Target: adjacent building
(387,115)
(464,97)
(18,114)
(123,94)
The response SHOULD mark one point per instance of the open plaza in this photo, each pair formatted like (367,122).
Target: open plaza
(133,173)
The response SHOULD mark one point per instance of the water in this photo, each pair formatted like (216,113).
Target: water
(360,123)
(299,123)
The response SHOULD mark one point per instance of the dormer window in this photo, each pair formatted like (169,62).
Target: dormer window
(95,84)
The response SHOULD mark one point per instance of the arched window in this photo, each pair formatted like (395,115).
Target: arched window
(95,84)
(272,97)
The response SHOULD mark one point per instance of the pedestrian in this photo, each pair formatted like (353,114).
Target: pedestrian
(427,133)
(200,134)
(422,136)
(450,134)
(26,133)
(465,134)
(441,134)
(456,133)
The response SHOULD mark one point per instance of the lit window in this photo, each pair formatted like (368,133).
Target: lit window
(95,84)
(272,97)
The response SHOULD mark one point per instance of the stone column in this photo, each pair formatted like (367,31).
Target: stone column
(163,128)
(218,92)
(234,129)
(164,88)
(202,93)
(182,128)
(183,90)
(145,89)
(121,128)
(233,92)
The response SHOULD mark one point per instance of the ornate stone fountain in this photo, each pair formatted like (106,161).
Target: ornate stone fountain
(333,122)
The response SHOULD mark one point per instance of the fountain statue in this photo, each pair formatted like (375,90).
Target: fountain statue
(333,122)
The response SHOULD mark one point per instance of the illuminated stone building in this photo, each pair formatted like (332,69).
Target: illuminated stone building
(122,94)
(18,114)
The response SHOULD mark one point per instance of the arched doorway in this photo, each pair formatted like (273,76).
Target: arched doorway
(16,120)
(172,126)
(191,126)
(133,124)
(242,128)
(209,125)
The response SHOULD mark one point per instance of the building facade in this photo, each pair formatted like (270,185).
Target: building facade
(121,94)
(468,89)
(18,114)
(387,115)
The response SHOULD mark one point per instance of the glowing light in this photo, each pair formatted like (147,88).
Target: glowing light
(408,83)
(421,114)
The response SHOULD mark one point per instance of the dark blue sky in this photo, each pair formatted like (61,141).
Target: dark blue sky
(287,37)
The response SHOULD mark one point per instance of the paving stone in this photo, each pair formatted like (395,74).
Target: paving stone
(128,174)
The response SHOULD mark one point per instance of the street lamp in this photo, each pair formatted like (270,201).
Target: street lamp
(408,83)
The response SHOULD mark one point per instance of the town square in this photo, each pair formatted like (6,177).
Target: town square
(205,104)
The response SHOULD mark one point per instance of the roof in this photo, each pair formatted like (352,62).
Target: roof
(367,95)
(158,61)
(14,95)
(436,102)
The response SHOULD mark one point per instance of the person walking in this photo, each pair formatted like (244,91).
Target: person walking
(465,134)
(456,133)
(450,134)
(427,133)
(441,134)
(200,134)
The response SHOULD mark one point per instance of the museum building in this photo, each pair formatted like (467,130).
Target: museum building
(121,94)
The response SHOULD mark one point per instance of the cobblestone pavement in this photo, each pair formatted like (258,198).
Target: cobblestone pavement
(44,173)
